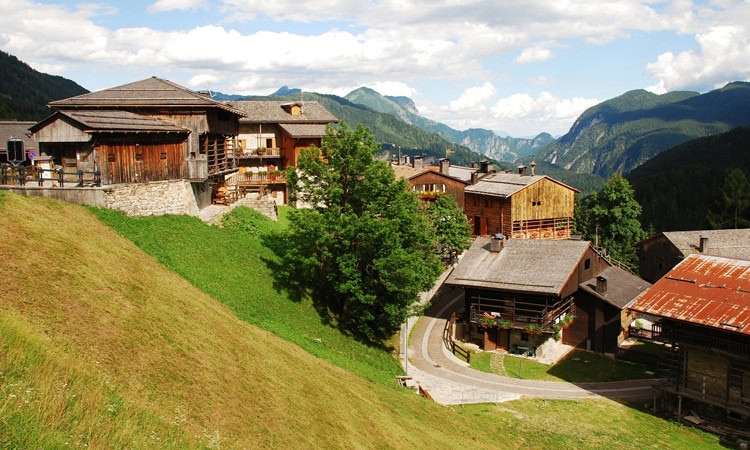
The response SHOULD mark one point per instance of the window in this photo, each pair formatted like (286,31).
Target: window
(525,337)
(587,264)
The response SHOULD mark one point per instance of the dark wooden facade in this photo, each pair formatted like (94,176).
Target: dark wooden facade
(432,183)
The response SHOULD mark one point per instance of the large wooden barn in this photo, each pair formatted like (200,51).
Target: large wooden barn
(520,205)
(149,130)
(703,311)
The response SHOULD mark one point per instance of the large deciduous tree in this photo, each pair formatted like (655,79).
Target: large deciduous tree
(611,218)
(363,244)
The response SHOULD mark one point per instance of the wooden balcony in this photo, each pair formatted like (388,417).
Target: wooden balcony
(259,154)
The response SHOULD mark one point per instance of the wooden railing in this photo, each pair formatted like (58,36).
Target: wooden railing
(23,176)
(450,343)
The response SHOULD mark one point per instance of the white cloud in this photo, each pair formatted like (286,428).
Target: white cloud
(180,5)
(534,54)
(474,98)
(204,81)
(724,55)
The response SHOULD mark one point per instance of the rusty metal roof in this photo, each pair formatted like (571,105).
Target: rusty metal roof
(702,289)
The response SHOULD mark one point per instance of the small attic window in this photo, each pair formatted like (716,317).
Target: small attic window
(294,109)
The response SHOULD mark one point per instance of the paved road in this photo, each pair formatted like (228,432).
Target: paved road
(450,381)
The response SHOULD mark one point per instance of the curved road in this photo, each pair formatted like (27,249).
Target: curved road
(450,381)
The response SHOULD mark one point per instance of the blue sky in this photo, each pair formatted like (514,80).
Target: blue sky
(515,67)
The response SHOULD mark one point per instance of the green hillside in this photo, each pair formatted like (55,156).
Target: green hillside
(620,134)
(24,92)
(677,187)
(104,345)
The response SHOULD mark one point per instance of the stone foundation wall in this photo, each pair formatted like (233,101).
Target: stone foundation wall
(152,199)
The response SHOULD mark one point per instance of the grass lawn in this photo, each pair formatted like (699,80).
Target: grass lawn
(578,366)
(234,265)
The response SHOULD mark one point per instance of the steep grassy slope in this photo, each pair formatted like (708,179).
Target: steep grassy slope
(102,347)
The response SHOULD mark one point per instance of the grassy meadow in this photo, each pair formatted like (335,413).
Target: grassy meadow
(163,332)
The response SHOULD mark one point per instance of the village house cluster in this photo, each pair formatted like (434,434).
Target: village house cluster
(529,285)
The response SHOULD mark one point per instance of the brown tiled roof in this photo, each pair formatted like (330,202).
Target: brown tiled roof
(304,130)
(539,266)
(702,289)
(622,286)
(152,92)
(272,111)
(119,121)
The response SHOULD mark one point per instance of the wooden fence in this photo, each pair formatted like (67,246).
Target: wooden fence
(23,176)
(450,343)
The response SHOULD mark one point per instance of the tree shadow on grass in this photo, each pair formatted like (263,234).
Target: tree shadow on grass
(299,287)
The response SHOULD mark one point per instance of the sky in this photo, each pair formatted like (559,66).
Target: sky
(515,67)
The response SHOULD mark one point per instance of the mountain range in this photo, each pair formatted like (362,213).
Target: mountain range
(620,134)
(615,136)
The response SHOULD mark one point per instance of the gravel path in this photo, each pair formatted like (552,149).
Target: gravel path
(450,381)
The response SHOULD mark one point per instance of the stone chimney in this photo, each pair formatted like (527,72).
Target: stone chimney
(601,285)
(702,243)
(487,167)
(497,242)
(522,170)
(445,164)
(417,162)
(474,165)
(532,165)
(474,177)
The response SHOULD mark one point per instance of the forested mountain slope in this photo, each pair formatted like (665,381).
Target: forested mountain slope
(622,133)
(25,92)
(677,187)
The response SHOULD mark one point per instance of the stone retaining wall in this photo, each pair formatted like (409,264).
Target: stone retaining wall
(152,199)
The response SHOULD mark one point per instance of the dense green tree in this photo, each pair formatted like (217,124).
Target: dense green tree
(453,230)
(612,220)
(364,246)
(732,207)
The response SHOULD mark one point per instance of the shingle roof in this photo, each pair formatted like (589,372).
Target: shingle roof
(505,184)
(622,286)
(304,130)
(524,265)
(16,130)
(702,289)
(120,121)
(151,92)
(727,243)
(273,111)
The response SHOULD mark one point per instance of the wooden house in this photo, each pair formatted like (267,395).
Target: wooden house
(602,319)
(526,286)
(271,136)
(15,129)
(703,311)
(661,252)
(520,205)
(149,130)
(433,181)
